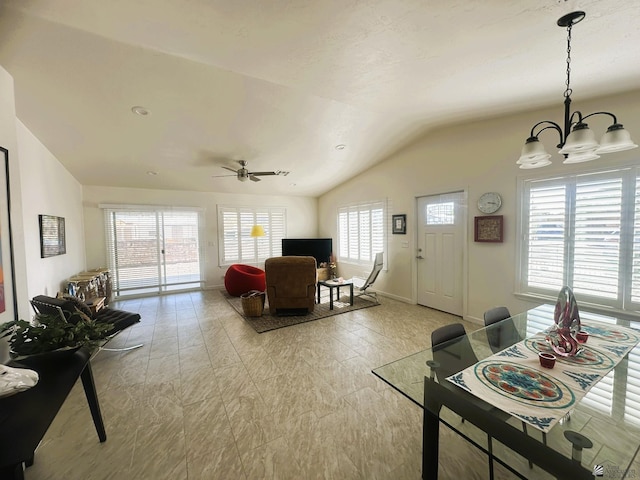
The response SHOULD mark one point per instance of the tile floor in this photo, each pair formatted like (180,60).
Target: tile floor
(208,398)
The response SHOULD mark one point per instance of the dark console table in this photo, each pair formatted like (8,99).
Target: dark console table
(26,416)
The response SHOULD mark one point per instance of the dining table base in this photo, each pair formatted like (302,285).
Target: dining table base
(437,396)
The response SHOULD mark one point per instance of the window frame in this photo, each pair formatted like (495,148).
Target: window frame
(273,219)
(161,223)
(629,176)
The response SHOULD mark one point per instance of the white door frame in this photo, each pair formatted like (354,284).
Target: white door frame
(465,245)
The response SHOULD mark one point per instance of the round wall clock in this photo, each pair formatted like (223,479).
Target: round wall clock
(489,202)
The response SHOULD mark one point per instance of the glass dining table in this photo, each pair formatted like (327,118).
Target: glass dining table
(597,429)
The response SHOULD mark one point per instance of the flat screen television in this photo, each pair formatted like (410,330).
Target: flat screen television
(319,248)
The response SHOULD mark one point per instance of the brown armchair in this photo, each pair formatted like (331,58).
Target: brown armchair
(291,284)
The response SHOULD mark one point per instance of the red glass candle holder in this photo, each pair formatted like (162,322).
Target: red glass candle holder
(547,360)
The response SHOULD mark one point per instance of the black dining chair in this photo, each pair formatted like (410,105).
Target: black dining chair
(455,356)
(501,331)
(451,357)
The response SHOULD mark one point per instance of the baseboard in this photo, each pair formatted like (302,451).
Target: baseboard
(395,297)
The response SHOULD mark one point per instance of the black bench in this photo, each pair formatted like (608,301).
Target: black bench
(67,307)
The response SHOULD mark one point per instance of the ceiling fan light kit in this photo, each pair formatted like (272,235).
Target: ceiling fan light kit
(577,142)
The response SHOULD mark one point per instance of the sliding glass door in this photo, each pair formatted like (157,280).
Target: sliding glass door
(153,250)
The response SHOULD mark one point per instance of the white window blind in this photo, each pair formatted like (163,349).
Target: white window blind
(634,294)
(152,249)
(583,231)
(234,229)
(546,265)
(361,232)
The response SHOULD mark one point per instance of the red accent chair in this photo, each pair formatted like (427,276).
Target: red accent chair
(240,279)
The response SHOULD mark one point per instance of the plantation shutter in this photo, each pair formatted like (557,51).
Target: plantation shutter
(575,230)
(546,231)
(343,234)
(598,211)
(234,229)
(361,232)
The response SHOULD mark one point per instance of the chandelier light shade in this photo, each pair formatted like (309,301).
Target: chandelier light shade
(533,152)
(616,139)
(257,231)
(577,141)
(580,157)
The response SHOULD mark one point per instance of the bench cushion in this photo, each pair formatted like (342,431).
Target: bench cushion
(120,319)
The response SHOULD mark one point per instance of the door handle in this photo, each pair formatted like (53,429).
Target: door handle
(420,257)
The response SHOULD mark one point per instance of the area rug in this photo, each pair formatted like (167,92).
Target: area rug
(271,322)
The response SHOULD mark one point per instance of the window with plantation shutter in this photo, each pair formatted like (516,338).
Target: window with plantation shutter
(234,229)
(583,230)
(152,249)
(361,232)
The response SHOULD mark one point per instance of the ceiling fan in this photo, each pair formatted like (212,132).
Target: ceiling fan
(243,174)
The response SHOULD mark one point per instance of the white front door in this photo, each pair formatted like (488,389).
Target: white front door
(440,250)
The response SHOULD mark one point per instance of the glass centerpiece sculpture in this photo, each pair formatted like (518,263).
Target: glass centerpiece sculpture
(562,335)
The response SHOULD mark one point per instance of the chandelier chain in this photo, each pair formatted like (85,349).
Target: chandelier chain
(568,91)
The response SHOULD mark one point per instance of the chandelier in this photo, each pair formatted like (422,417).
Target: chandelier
(577,141)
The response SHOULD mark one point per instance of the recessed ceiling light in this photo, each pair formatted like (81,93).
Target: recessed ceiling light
(152,173)
(138,110)
(340,147)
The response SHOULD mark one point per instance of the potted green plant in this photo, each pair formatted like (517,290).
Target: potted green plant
(52,333)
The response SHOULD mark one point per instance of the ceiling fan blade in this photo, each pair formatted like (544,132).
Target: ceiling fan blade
(253,178)
(219,176)
(263,173)
(230,169)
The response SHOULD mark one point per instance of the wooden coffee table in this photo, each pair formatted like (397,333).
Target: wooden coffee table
(334,284)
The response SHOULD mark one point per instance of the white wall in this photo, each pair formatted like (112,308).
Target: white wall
(8,140)
(49,189)
(477,157)
(302,219)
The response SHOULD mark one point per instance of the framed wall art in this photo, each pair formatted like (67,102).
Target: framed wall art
(399,224)
(52,236)
(489,229)
(8,299)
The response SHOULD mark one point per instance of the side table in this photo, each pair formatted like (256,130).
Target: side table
(331,284)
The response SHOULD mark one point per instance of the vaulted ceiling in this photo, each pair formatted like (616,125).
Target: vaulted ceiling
(282,83)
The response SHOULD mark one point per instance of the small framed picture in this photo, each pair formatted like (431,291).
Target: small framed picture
(488,229)
(399,224)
